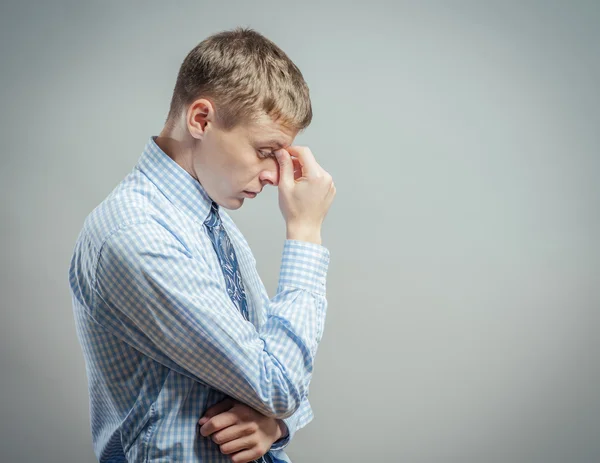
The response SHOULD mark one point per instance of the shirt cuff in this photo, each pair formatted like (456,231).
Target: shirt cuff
(282,443)
(304,265)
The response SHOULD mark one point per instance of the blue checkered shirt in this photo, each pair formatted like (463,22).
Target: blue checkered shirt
(161,338)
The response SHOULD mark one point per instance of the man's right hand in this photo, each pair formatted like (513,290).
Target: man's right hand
(304,201)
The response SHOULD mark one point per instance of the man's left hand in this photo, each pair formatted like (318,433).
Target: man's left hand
(240,431)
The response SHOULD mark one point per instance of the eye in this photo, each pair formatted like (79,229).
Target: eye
(265,154)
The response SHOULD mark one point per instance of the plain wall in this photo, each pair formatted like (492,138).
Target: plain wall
(464,284)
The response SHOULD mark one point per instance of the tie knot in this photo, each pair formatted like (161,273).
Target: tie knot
(213,220)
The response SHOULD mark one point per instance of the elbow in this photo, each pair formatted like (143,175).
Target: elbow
(283,387)
(283,401)
(286,411)
(282,412)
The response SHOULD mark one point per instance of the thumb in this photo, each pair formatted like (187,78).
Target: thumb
(216,409)
(286,168)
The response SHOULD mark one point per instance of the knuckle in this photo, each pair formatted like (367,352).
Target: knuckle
(236,415)
(305,150)
(238,459)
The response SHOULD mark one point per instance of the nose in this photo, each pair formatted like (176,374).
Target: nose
(270,175)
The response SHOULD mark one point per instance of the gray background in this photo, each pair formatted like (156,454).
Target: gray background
(465,267)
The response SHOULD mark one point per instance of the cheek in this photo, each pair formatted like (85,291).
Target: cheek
(248,167)
(240,167)
(239,175)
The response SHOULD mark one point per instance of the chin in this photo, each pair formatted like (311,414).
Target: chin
(233,203)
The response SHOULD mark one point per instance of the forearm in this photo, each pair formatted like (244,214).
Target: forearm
(297,421)
(184,320)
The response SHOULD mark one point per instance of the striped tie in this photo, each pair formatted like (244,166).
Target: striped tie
(229,263)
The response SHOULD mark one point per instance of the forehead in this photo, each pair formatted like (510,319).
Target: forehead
(270,132)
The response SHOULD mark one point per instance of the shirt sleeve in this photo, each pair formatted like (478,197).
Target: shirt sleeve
(297,421)
(154,294)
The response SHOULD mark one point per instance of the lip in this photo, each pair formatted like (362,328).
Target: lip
(250,194)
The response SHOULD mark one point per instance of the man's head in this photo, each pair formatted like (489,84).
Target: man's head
(238,98)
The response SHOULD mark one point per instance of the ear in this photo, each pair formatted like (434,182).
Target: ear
(199,114)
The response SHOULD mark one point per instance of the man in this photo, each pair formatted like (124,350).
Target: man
(187,358)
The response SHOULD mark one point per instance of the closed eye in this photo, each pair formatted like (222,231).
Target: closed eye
(266,154)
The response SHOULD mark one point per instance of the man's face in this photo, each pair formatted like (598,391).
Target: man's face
(230,164)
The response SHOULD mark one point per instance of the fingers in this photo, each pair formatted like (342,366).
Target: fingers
(297,168)
(234,436)
(249,455)
(306,159)
(216,423)
(236,431)
(216,409)
(286,167)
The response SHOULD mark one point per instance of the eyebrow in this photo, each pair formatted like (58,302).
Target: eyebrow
(277,143)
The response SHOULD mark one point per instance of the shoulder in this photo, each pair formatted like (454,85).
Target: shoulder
(135,210)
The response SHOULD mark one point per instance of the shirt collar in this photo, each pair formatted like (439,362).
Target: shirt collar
(180,188)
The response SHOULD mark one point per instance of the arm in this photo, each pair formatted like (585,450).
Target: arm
(153,294)
(297,421)
(229,412)
(226,423)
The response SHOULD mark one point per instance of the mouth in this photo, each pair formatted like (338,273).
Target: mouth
(250,194)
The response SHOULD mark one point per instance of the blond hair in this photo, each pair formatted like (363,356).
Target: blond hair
(246,76)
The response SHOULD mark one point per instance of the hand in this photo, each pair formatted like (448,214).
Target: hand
(240,431)
(304,200)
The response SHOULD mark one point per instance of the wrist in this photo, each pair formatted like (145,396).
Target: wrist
(303,233)
(283,430)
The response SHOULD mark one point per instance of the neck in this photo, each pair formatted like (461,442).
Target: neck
(179,146)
